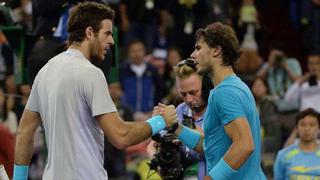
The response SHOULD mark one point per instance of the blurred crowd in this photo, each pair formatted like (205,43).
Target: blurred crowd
(153,36)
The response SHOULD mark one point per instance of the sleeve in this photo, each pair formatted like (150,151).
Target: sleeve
(96,93)
(294,65)
(293,93)
(279,167)
(228,102)
(33,103)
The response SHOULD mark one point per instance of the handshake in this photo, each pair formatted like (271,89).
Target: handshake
(168,112)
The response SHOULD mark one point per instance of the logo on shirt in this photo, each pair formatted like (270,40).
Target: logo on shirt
(303,169)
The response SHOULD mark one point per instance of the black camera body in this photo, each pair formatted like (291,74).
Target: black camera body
(167,159)
(313,80)
(279,61)
(170,159)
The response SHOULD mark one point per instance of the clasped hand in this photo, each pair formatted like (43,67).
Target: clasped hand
(167,112)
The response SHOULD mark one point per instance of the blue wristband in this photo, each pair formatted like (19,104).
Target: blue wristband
(20,172)
(222,171)
(156,123)
(189,137)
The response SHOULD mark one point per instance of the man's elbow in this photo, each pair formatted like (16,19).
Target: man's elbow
(248,149)
(121,141)
(121,144)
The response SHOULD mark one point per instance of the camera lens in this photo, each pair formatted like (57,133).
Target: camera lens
(168,156)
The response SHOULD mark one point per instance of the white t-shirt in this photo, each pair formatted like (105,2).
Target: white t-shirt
(308,96)
(68,93)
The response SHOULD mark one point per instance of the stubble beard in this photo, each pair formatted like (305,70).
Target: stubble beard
(94,55)
(206,70)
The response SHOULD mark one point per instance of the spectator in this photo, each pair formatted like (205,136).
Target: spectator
(280,72)
(249,24)
(301,160)
(8,117)
(306,90)
(140,81)
(271,132)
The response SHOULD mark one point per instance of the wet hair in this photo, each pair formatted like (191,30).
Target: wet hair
(220,35)
(308,112)
(87,14)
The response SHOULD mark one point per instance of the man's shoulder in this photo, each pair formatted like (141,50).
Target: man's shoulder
(289,152)
(181,106)
(231,86)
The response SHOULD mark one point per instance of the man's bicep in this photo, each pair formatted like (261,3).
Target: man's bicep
(228,104)
(238,129)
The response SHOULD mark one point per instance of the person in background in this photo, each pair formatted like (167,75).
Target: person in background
(306,90)
(301,160)
(280,71)
(140,80)
(7,117)
(270,124)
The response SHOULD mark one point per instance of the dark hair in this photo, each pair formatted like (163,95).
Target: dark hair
(280,46)
(133,42)
(216,35)
(307,112)
(265,82)
(87,14)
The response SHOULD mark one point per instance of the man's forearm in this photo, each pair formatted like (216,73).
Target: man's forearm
(193,141)
(229,164)
(138,133)
(237,154)
(23,150)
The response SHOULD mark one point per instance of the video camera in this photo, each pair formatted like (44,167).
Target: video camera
(167,159)
(170,159)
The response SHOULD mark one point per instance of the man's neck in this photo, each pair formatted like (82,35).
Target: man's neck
(309,146)
(197,115)
(81,47)
(220,73)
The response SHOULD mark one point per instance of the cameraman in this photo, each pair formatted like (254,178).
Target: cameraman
(280,72)
(194,90)
(306,90)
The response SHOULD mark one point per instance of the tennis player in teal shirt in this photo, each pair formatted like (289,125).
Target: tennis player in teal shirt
(231,141)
